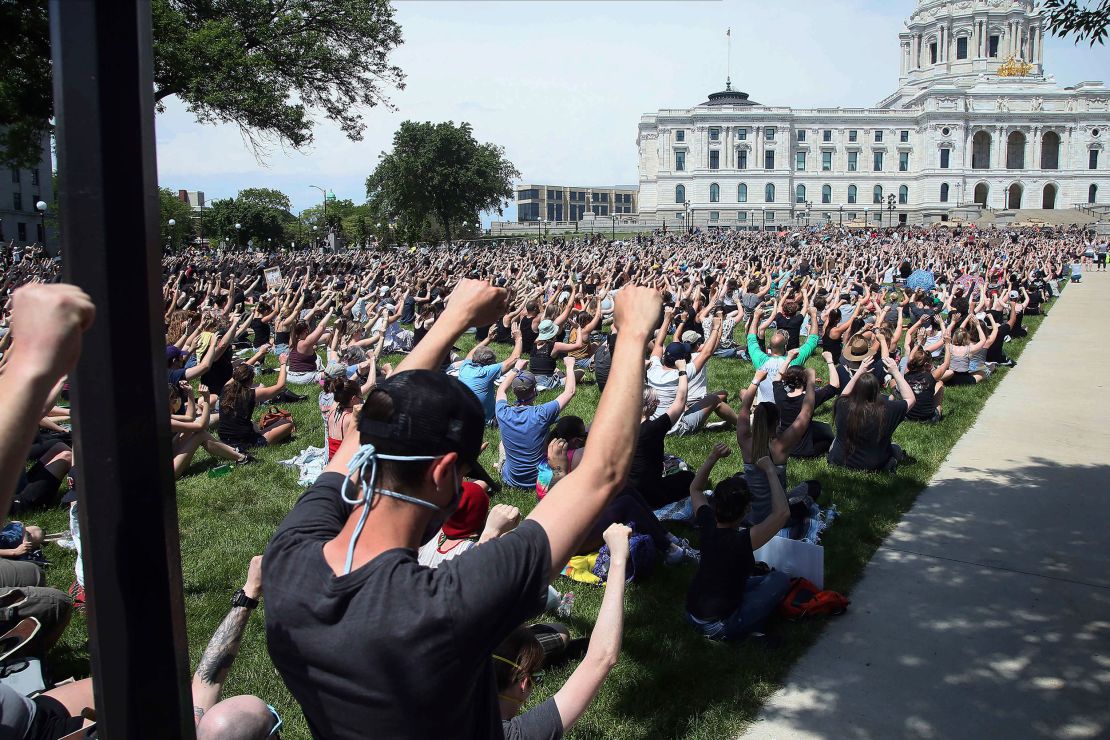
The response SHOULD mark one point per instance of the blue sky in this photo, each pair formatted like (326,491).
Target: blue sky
(561,85)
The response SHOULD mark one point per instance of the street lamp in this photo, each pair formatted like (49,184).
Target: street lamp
(890,205)
(841,216)
(689,226)
(325,192)
(237,237)
(763,218)
(41,206)
(614,237)
(169,240)
(866,216)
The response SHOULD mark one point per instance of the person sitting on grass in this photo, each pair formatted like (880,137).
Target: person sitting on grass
(646,474)
(928,389)
(546,351)
(790,398)
(189,422)
(758,436)
(775,360)
(564,453)
(962,353)
(480,370)
(304,363)
(237,404)
(866,420)
(402,649)
(725,600)
(524,425)
(518,661)
(663,377)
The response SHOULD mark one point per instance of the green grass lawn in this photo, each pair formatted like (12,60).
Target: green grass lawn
(668,683)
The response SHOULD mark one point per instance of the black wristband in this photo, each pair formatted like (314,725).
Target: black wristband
(681,373)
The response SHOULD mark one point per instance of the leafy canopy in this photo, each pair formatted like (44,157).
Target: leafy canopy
(260,64)
(1069,18)
(438,170)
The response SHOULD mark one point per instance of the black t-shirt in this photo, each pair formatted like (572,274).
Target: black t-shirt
(726,562)
(924,388)
(790,406)
(235,421)
(871,450)
(994,351)
(603,361)
(220,372)
(261,332)
(647,461)
(539,723)
(394,649)
(792,326)
(527,335)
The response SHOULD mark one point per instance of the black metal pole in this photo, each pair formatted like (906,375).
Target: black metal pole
(104,107)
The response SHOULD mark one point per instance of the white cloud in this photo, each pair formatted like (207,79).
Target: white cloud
(562,85)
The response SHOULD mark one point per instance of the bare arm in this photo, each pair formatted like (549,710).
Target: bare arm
(678,406)
(605,640)
(222,649)
(571,385)
(472,303)
(608,452)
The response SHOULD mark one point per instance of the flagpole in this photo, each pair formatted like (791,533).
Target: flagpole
(728,72)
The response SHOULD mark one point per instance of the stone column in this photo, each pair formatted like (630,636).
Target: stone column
(1036,146)
(1000,156)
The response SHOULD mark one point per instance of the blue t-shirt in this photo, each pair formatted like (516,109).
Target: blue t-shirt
(480,379)
(523,433)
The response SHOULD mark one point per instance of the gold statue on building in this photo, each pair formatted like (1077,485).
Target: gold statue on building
(1015,67)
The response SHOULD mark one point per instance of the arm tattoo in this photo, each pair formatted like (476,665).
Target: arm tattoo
(223,647)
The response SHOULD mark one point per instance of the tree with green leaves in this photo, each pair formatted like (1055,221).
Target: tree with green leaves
(182,214)
(1084,22)
(439,171)
(262,214)
(259,64)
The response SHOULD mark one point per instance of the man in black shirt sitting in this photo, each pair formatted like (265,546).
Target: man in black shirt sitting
(369,641)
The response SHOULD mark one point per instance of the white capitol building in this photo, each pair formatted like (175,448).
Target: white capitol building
(975,124)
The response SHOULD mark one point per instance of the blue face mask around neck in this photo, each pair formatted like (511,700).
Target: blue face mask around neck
(367,456)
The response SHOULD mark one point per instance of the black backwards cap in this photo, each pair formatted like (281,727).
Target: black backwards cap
(433,414)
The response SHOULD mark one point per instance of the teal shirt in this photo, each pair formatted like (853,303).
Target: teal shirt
(759,357)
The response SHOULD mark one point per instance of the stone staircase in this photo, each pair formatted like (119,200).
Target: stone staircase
(1049,216)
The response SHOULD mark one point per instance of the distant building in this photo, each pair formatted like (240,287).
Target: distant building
(194,198)
(975,122)
(558,203)
(20,190)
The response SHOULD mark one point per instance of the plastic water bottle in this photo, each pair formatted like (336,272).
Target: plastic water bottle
(566,604)
(219,472)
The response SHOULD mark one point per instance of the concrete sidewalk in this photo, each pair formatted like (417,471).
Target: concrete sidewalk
(986,613)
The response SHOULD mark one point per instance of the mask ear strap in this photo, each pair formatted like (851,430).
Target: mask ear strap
(367,456)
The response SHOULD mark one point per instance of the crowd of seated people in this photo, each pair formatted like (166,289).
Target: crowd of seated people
(443,584)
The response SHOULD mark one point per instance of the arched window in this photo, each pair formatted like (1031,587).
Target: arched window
(1092,193)
(981,151)
(826,193)
(800,194)
(1015,151)
(903,195)
(851,193)
(1050,151)
(944,192)
(679,193)
(769,193)
(741,193)
(877,194)
(714,193)
(982,191)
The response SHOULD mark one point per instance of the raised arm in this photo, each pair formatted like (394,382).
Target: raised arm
(701,478)
(571,384)
(472,303)
(678,406)
(605,640)
(608,453)
(47,323)
(793,434)
(265,392)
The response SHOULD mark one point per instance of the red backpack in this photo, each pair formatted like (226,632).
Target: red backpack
(804,599)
